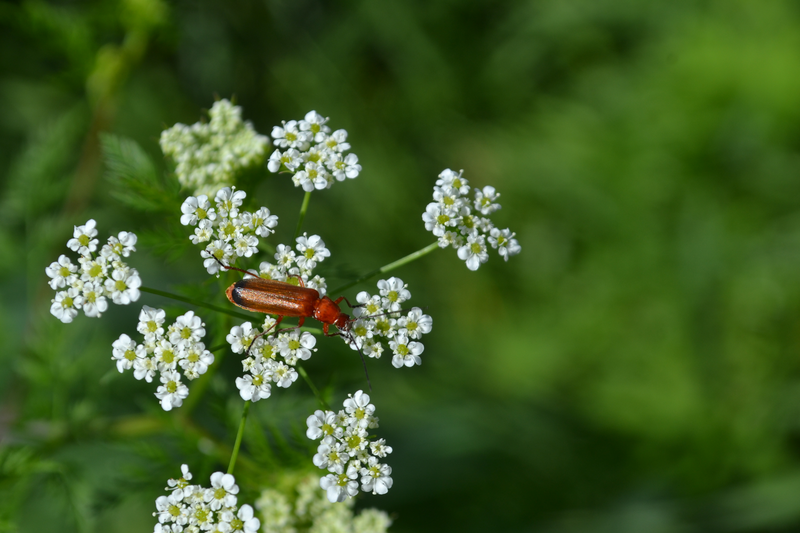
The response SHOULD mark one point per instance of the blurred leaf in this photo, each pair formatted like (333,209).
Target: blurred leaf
(134,177)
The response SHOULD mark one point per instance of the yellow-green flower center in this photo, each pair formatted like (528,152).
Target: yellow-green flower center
(354,442)
(120,285)
(360,413)
(84,240)
(91,296)
(392,296)
(309,253)
(202,515)
(443,219)
(67,302)
(475,247)
(257,381)
(237,525)
(64,272)
(152,326)
(327,429)
(193,357)
(172,387)
(383,326)
(402,349)
(186,332)
(174,510)
(95,270)
(219,493)
(167,356)
(314,157)
(360,331)
(468,221)
(201,213)
(294,344)
(411,326)
(448,200)
(291,137)
(130,355)
(457,183)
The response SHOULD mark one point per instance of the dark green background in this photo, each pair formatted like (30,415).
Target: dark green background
(636,368)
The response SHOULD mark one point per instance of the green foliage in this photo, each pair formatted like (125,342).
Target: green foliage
(634,369)
(134,178)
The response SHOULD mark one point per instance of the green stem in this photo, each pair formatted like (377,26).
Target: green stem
(314,389)
(303,209)
(239,435)
(198,303)
(387,268)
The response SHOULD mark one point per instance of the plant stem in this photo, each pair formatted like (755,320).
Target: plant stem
(239,435)
(303,209)
(391,266)
(314,389)
(198,303)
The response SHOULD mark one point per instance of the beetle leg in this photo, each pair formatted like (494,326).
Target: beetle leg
(299,280)
(275,325)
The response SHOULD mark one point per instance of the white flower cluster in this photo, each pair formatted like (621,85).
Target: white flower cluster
(208,155)
(289,265)
(179,349)
(95,278)
(313,154)
(270,359)
(347,452)
(193,508)
(380,316)
(457,221)
(303,509)
(229,232)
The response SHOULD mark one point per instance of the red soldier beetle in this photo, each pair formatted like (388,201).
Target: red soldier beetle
(283,299)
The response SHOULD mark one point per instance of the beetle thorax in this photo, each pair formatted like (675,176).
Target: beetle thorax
(327,312)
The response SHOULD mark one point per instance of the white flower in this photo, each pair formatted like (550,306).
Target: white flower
(172,392)
(474,252)
(415,324)
(315,124)
(296,345)
(241,337)
(331,455)
(150,322)
(263,223)
(245,520)
(359,409)
(375,477)
(228,201)
(449,178)
(144,368)
(321,423)
(83,240)
(283,375)
(485,201)
(405,353)
(203,232)
(196,210)
(340,486)
(257,384)
(171,508)
(223,491)
(291,159)
(504,242)
(437,220)
(379,448)
(393,292)
(187,329)
(196,360)
(93,269)
(301,179)
(164,356)
(126,351)
(342,168)
(312,250)
(123,286)
(62,272)
(337,141)
(372,348)
(289,136)
(94,303)
(66,303)
(245,245)
(215,252)
(120,246)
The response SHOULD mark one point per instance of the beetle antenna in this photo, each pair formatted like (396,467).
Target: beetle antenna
(226,267)
(363,361)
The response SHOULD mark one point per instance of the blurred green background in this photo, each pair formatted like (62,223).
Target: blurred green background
(635,369)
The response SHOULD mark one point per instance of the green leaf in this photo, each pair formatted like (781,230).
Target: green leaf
(134,178)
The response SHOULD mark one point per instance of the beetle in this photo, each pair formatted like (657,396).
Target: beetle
(284,299)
